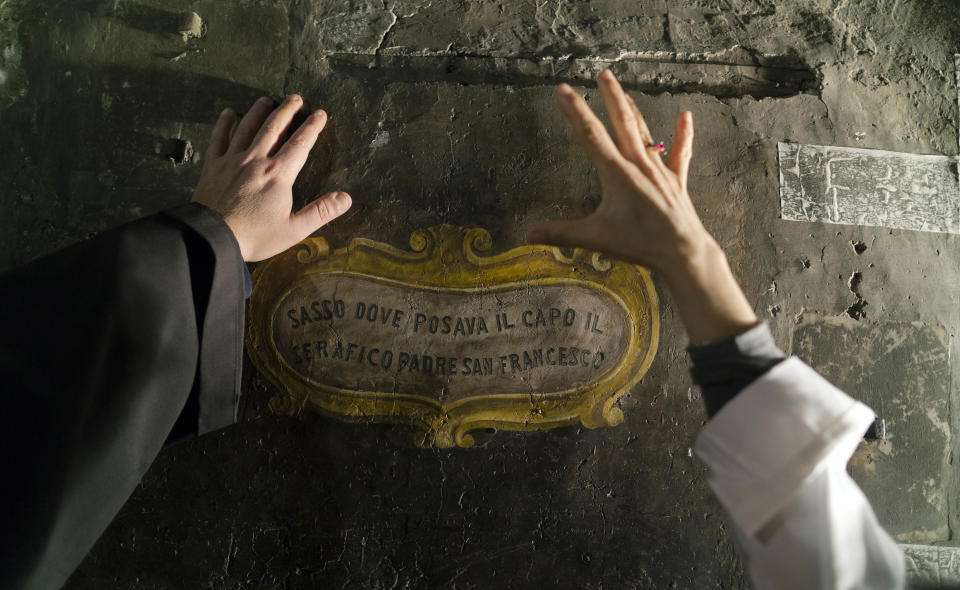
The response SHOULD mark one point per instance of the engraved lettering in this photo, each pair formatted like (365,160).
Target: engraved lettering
(407,336)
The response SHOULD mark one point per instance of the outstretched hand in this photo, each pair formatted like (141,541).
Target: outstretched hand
(646,216)
(248,175)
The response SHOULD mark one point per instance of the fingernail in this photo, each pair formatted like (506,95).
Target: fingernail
(342,201)
(321,114)
(265,100)
(294,98)
(606,75)
(226,112)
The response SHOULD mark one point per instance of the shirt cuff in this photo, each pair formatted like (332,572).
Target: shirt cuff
(772,436)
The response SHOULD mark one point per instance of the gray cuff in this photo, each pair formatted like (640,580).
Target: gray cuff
(724,368)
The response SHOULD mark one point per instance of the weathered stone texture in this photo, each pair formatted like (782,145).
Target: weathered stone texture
(902,371)
(869,187)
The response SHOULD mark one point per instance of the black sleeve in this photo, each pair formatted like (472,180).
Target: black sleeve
(102,346)
(724,368)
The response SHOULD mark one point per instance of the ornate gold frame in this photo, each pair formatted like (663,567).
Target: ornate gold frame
(446,258)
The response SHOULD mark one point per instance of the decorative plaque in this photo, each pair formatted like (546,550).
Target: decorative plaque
(450,340)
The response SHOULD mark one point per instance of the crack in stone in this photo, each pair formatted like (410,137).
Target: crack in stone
(386,33)
(734,56)
(669,73)
(396,20)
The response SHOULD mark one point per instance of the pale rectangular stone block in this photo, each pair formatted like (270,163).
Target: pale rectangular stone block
(853,186)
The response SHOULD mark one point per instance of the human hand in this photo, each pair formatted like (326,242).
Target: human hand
(248,175)
(646,215)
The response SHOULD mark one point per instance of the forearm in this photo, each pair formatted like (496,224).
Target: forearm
(156,313)
(729,347)
(776,456)
(777,452)
(711,304)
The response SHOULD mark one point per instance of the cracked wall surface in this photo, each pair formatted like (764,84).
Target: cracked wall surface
(442,112)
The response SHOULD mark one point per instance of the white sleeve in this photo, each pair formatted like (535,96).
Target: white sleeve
(777,454)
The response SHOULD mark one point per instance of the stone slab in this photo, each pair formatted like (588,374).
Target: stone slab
(600,28)
(902,371)
(956,63)
(854,186)
(931,567)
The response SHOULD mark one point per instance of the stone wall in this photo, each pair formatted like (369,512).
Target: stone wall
(443,112)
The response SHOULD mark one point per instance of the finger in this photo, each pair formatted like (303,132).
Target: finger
(250,124)
(590,131)
(623,117)
(276,125)
(220,137)
(319,213)
(298,119)
(293,155)
(629,123)
(642,128)
(562,234)
(655,169)
(682,149)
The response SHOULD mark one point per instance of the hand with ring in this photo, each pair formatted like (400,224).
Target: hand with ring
(646,216)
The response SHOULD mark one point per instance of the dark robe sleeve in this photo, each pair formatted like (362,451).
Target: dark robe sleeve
(104,348)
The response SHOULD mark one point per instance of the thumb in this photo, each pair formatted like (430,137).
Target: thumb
(320,212)
(560,233)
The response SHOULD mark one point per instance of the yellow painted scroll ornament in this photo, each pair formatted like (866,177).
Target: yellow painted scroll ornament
(449,340)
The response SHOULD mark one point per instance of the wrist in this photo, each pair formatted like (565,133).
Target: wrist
(695,262)
(238,234)
(708,296)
